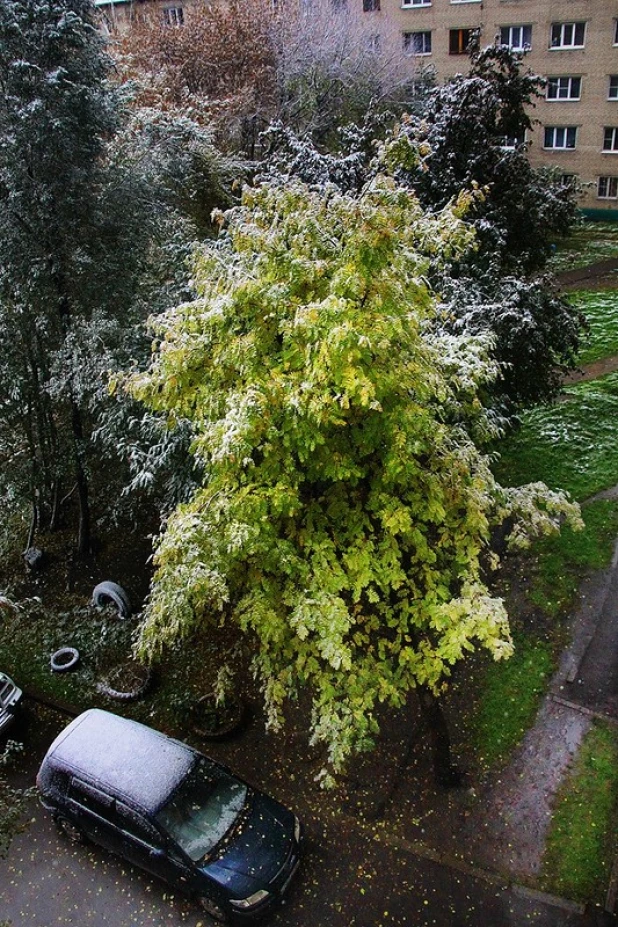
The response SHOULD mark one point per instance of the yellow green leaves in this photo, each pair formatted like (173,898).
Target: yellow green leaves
(346,505)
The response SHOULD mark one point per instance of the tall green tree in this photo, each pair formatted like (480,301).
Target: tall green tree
(472,137)
(345,508)
(472,133)
(89,229)
(63,239)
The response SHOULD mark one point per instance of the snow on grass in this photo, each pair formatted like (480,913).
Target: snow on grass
(571,445)
(590,242)
(601,311)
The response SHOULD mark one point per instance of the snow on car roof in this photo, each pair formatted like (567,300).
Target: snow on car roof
(123,757)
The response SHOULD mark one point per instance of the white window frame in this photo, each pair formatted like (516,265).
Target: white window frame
(521,44)
(414,4)
(408,43)
(610,185)
(614,95)
(610,133)
(563,27)
(563,83)
(560,144)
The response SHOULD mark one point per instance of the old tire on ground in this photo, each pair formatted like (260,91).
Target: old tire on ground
(212,721)
(107,592)
(64,659)
(125,682)
(216,911)
(69,830)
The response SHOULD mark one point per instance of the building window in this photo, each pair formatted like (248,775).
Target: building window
(519,38)
(607,188)
(616,32)
(408,3)
(372,44)
(173,16)
(417,43)
(564,88)
(560,137)
(568,35)
(371,6)
(459,41)
(610,138)
(612,93)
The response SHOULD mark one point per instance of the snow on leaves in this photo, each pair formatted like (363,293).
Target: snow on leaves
(345,507)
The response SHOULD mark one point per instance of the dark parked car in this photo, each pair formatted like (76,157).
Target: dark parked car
(172,811)
(10,700)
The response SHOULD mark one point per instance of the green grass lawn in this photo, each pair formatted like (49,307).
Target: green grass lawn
(563,560)
(510,692)
(582,838)
(588,243)
(601,310)
(30,636)
(572,445)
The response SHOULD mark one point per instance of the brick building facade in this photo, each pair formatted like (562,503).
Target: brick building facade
(572,43)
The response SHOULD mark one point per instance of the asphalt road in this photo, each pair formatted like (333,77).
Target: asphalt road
(347,880)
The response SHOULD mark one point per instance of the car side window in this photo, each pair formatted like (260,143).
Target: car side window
(136,826)
(91,798)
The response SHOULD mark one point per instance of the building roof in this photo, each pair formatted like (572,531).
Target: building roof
(123,757)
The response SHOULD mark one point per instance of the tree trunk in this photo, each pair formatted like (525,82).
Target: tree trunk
(445,772)
(34,523)
(81,481)
(53,517)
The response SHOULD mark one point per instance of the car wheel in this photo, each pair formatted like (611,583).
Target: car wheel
(216,911)
(69,830)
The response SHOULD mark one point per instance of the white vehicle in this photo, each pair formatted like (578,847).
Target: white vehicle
(10,700)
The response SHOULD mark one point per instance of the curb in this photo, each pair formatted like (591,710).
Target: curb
(422,851)
(612,892)
(64,708)
(589,712)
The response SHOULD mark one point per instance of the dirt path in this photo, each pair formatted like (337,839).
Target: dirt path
(592,371)
(600,275)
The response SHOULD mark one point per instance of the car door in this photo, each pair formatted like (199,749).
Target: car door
(94,813)
(145,846)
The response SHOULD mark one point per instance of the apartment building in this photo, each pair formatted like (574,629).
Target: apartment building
(572,43)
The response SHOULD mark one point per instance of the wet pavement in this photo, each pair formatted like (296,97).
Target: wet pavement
(595,683)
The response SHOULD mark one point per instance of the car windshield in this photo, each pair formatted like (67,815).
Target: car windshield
(203,809)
